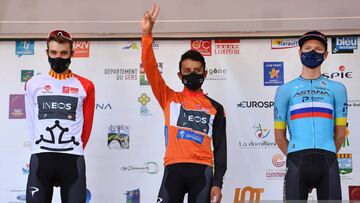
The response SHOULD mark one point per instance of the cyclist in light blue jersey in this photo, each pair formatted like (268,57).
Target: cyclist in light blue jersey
(314,109)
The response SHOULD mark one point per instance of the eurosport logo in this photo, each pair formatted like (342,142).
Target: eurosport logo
(284,43)
(278,160)
(202,46)
(343,45)
(341,74)
(255,104)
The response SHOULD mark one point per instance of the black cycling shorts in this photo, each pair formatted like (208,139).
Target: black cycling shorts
(56,169)
(182,178)
(312,168)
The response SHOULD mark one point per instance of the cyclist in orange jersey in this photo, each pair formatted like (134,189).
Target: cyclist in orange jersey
(193,122)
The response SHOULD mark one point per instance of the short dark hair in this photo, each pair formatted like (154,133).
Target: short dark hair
(61,40)
(193,55)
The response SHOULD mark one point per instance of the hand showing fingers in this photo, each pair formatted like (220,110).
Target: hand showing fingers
(149,18)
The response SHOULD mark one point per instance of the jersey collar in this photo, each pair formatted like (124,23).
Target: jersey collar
(60,76)
(309,80)
(193,93)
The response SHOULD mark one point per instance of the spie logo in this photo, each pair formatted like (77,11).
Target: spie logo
(202,46)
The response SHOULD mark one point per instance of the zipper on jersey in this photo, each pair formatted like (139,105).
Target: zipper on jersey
(312,113)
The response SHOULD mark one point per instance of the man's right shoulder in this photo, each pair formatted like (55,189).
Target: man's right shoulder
(33,80)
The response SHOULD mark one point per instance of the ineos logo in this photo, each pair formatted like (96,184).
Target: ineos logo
(56,105)
(197,119)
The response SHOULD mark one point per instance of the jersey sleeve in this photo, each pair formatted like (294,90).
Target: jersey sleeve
(30,109)
(341,106)
(281,103)
(161,91)
(88,109)
(220,146)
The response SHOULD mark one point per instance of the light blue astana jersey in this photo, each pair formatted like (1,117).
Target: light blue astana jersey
(310,109)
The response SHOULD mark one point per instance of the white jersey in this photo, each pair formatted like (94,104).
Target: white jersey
(59,112)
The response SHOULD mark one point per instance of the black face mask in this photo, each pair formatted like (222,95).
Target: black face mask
(193,81)
(312,59)
(59,65)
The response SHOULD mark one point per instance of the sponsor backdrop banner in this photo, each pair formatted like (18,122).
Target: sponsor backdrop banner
(124,157)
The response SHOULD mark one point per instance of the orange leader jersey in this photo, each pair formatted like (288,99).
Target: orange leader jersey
(192,121)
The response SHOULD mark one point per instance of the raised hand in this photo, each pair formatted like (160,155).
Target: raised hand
(148,20)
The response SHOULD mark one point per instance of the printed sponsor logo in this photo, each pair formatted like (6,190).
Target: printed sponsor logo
(341,74)
(122,73)
(344,45)
(143,78)
(103,106)
(284,43)
(26,169)
(254,194)
(133,45)
(81,49)
(255,104)
(354,192)
(119,137)
(196,120)
(227,46)
(25,47)
(345,163)
(133,196)
(144,100)
(273,73)
(202,46)
(17,106)
(262,139)
(216,74)
(70,90)
(57,107)
(354,103)
(88,196)
(149,167)
(26,75)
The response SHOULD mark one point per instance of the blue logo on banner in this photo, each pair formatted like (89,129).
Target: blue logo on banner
(273,73)
(88,195)
(133,196)
(346,43)
(189,135)
(25,47)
